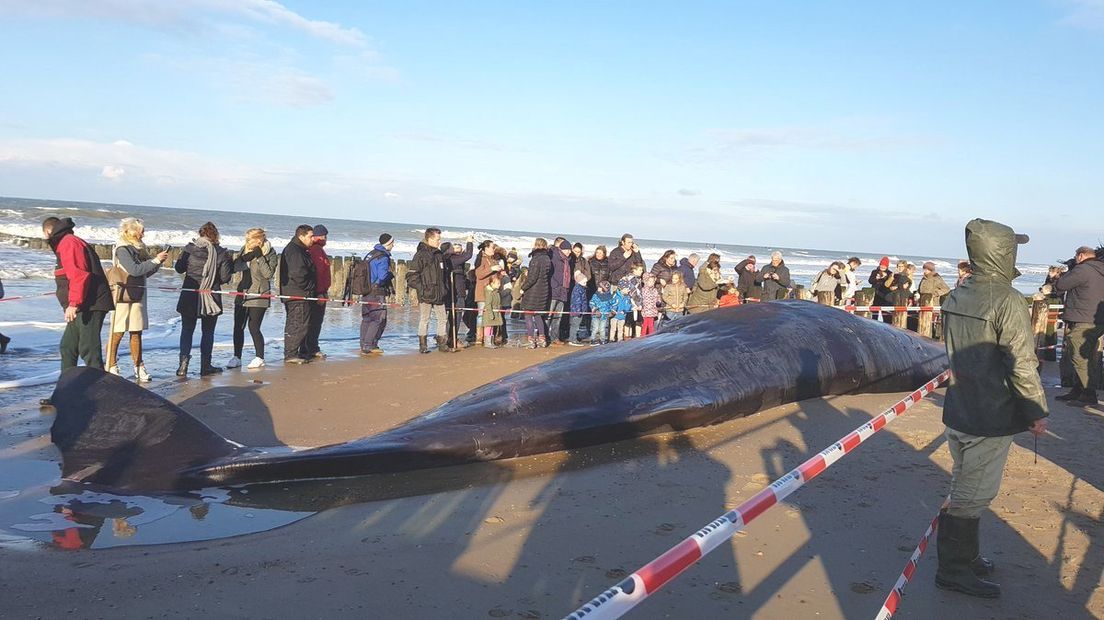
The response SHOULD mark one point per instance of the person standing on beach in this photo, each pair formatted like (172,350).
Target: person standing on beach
(426,274)
(457,281)
(1084,315)
(536,293)
(664,266)
(932,286)
(4,340)
(880,279)
(322,282)
(373,306)
(622,259)
(486,265)
(206,267)
(704,293)
(746,276)
(132,316)
(257,261)
(561,290)
(850,284)
(995,393)
(825,284)
(83,292)
(775,278)
(297,279)
(686,268)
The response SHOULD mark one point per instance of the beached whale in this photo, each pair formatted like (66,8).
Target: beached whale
(696,371)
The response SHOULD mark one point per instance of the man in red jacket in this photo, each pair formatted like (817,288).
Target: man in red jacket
(83,292)
(321,262)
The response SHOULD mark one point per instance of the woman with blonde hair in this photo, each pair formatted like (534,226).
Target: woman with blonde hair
(131,316)
(255,265)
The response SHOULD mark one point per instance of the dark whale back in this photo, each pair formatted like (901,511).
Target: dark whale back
(698,370)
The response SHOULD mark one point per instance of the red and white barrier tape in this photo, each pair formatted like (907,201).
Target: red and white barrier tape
(618,600)
(889,309)
(889,607)
(17,298)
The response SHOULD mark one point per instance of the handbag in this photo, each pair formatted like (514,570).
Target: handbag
(125,288)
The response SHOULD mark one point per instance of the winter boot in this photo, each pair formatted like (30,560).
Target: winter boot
(423,347)
(442,345)
(182,370)
(1086,399)
(957,545)
(1074,394)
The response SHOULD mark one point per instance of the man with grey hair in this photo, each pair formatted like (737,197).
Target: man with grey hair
(1083,285)
(775,278)
(686,267)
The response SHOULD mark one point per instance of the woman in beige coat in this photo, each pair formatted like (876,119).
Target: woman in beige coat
(133,256)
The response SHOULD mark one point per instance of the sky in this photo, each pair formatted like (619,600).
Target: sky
(864,126)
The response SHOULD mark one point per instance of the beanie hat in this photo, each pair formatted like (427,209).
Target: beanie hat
(385,239)
(884,262)
(321,231)
(564,245)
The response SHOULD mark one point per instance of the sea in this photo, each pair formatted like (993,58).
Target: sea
(30,366)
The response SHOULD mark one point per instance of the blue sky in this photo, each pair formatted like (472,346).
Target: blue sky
(866,126)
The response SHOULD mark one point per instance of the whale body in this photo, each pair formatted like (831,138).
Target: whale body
(695,371)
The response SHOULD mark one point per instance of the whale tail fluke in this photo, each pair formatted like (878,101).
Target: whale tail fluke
(115,433)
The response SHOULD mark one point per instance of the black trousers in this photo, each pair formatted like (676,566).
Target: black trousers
(314,327)
(295,328)
(253,317)
(81,340)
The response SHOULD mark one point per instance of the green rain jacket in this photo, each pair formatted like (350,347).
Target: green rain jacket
(995,390)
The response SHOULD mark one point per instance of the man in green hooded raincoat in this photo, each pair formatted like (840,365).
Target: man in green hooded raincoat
(994,394)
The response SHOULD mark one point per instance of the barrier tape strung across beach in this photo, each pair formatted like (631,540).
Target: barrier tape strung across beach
(17,298)
(621,598)
(889,607)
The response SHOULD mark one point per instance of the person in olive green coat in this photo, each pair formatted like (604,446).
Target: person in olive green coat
(704,294)
(995,393)
(492,315)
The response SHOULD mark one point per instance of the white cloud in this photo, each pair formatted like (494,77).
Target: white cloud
(113,173)
(187,15)
(391,195)
(688,192)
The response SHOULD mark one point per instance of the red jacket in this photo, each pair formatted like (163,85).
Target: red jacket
(322,269)
(72,254)
(729,299)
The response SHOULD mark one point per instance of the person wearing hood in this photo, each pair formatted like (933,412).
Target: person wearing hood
(322,282)
(994,393)
(373,306)
(536,294)
(1083,285)
(131,315)
(82,291)
(297,279)
(746,276)
(775,278)
(255,264)
(705,292)
(561,282)
(206,267)
(426,275)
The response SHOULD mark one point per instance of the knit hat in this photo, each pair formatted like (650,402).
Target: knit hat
(385,239)
(884,262)
(321,231)
(564,245)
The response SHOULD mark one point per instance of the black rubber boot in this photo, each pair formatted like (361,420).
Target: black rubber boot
(442,345)
(423,344)
(1074,394)
(206,368)
(1086,399)
(982,566)
(957,545)
(182,370)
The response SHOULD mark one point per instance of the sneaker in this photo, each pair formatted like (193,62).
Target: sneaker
(595,343)
(140,374)
(235,362)
(295,360)
(319,355)
(376,351)
(115,371)
(576,343)
(258,362)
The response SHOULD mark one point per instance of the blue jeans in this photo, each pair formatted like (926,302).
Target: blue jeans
(576,327)
(554,319)
(600,332)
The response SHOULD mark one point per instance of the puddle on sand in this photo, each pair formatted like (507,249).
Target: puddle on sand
(38,510)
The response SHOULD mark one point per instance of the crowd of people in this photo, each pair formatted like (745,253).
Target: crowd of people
(563,296)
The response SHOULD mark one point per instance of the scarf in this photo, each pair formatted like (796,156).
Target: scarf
(207,306)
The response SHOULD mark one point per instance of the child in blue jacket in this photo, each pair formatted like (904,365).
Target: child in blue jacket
(602,304)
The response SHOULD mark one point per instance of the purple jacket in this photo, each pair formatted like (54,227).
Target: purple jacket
(562,280)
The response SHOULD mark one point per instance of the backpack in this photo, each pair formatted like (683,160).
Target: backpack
(359,281)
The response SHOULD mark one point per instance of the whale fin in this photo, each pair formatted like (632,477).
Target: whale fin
(115,433)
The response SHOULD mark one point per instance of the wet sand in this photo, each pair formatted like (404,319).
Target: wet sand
(534,538)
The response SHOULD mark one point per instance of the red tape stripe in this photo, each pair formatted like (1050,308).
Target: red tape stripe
(664,568)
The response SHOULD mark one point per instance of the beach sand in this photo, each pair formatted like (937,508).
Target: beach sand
(534,538)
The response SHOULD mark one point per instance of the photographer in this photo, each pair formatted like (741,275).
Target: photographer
(1083,285)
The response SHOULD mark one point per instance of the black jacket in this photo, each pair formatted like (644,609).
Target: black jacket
(687,271)
(537,292)
(190,263)
(426,274)
(454,268)
(745,280)
(1084,289)
(599,270)
(775,289)
(297,271)
(620,265)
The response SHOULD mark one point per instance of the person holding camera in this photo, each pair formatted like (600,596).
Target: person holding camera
(1083,285)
